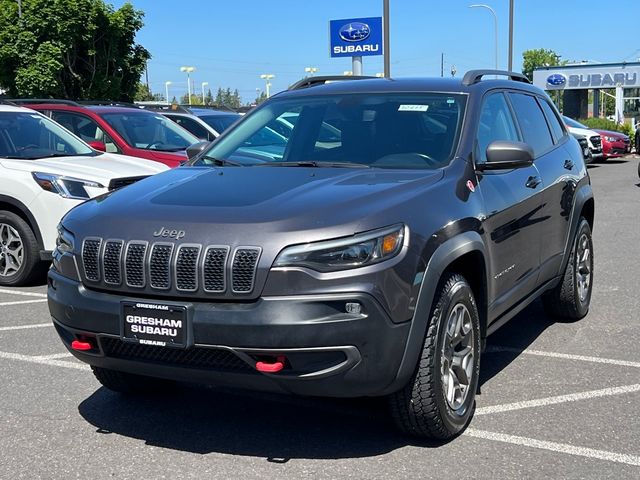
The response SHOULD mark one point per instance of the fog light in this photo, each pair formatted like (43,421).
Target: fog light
(353,307)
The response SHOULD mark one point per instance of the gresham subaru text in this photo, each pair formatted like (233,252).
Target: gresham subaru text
(368,253)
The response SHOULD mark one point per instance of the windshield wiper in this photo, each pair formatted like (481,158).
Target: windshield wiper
(314,164)
(222,162)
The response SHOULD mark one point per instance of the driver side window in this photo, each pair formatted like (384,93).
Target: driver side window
(496,123)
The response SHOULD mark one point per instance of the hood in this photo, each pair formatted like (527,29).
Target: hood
(101,168)
(224,203)
(582,131)
(609,133)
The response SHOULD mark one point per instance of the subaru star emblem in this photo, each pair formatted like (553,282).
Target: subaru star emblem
(556,80)
(355,32)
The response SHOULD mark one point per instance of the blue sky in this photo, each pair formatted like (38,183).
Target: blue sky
(232,42)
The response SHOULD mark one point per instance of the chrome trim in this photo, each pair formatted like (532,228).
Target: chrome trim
(255,268)
(196,265)
(146,254)
(84,269)
(120,266)
(148,263)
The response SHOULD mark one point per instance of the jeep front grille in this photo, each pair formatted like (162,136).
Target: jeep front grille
(165,267)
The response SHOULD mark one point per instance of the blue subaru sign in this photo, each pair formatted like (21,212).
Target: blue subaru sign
(557,80)
(356,37)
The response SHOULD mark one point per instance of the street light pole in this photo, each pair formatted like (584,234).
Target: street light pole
(510,35)
(204,84)
(495,21)
(166,91)
(188,70)
(385,39)
(267,77)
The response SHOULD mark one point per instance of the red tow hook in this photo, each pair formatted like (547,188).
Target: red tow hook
(271,367)
(80,345)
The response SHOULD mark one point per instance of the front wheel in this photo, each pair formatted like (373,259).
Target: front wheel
(19,260)
(439,400)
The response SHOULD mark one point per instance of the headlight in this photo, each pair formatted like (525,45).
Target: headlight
(66,187)
(345,253)
(65,241)
(611,139)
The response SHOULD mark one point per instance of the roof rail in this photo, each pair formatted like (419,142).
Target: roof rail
(164,107)
(322,79)
(33,101)
(107,103)
(474,76)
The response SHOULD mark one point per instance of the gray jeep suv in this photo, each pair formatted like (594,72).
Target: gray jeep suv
(369,260)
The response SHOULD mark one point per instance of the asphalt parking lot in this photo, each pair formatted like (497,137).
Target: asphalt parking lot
(559,400)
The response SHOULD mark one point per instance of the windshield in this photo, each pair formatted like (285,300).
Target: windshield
(572,123)
(220,122)
(150,131)
(390,130)
(31,136)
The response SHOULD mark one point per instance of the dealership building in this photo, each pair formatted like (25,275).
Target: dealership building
(576,81)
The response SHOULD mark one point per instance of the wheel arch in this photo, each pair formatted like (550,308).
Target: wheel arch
(464,254)
(12,205)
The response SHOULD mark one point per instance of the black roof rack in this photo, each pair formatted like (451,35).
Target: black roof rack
(474,76)
(322,79)
(33,101)
(174,107)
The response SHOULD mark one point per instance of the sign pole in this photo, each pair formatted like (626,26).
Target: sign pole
(356,66)
(385,41)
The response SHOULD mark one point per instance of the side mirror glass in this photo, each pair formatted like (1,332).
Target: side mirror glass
(196,148)
(98,145)
(504,155)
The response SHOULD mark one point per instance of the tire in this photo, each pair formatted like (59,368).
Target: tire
(570,299)
(19,252)
(423,407)
(129,383)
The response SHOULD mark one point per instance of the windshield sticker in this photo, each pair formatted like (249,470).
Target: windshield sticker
(413,108)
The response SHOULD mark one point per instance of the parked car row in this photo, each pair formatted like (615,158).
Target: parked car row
(603,144)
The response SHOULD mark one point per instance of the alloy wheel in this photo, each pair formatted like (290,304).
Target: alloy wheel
(583,270)
(458,353)
(11,251)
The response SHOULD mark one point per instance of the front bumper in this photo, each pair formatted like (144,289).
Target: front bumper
(328,351)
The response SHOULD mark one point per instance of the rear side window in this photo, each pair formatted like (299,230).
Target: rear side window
(552,118)
(496,123)
(192,126)
(532,123)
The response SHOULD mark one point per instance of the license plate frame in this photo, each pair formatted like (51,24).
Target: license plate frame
(154,324)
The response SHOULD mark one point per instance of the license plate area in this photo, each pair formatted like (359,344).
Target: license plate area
(154,324)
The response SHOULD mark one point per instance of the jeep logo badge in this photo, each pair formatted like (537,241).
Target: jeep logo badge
(166,233)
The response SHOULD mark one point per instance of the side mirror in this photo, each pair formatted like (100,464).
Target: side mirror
(504,155)
(196,148)
(98,145)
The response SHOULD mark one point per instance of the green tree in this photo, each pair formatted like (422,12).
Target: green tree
(208,98)
(260,98)
(143,93)
(539,57)
(195,99)
(80,49)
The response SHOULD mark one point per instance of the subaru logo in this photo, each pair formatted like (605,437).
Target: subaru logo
(355,32)
(556,80)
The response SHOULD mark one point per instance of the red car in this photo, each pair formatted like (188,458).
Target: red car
(614,144)
(125,130)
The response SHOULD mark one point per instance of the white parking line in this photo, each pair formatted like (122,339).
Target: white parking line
(25,327)
(26,294)
(43,361)
(22,302)
(555,447)
(53,356)
(573,397)
(566,356)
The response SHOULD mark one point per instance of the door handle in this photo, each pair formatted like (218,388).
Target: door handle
(533,182)
(568,164)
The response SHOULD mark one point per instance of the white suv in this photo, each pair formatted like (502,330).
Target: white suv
(44,172)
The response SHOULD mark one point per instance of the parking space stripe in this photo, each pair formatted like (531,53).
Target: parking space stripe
(43,361)
(25,327)
(54,356)
(573,397)
(22,302)
(566,356)
(26,294)
(555,447)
